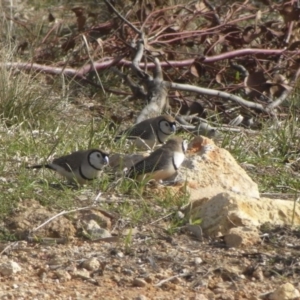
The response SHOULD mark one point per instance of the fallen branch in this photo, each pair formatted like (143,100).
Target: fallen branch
(215,93)
(108,62)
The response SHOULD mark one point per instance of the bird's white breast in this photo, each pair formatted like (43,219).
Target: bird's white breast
(178,159)
(62,171)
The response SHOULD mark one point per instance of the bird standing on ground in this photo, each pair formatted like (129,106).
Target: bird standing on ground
(162,163)
(80,166)
(151,132)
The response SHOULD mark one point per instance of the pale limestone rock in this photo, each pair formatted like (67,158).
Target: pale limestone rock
(9,268)
(94,231)
(91,264)
(285,292)
(83,273)
(200,297)
(97,216)
(210,170)
(242,236)
(62,275)
(139,282)
(258,273)
(227,210)
(141,297)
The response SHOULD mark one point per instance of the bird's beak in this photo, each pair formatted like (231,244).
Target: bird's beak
(105,160)
(173,128)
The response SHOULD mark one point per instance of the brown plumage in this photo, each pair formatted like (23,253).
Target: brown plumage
(162,163)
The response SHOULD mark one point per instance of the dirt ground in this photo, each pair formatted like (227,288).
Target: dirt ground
(154,266)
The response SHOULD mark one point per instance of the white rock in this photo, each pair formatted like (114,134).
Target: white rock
(139,282)
(226,210)
(244,236)
(258,274)
(83,273)
(210,170)
(91,264)
(285,292)
(62,275)
(10,267)
(95,231)
(200,297)
(141,297)
(198,260)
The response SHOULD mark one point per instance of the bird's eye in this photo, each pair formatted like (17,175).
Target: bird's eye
(98,155)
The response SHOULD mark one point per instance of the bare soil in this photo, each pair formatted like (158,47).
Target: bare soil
(152,265)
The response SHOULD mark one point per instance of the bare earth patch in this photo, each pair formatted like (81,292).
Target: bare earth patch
(151,265)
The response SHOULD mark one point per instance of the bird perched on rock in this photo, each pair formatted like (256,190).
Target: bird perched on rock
(80,166)
(151,132)
(162,163)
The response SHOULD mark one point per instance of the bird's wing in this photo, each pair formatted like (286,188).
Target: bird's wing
(70,162)
(157,160)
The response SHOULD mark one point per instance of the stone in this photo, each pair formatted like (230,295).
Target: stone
(95,231)
(200,297)
(258,274)
(97,216)
(242,236)
(62,275)
(91,264)
(224,211)
(285,292)
(9,268)
(139,282)
(141,297)
(209,170)
(198,260)
(83,274)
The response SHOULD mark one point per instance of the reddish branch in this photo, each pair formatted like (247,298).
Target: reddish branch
(109,62)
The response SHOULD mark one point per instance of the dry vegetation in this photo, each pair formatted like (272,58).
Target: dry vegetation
(71,78)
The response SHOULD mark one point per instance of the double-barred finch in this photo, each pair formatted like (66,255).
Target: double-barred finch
(80,166)
(162,163)
(151,132)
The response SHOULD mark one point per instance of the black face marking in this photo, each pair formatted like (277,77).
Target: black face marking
(157,135)
(184,146)
(174,165)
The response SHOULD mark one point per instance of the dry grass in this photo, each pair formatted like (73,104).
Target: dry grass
(42,117)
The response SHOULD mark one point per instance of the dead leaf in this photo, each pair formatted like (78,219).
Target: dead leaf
(22,46)
(290,13)
(69,44)
(219,79)
(51,17)
(278,85)
(255,84)
(194,71)
(81,19)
